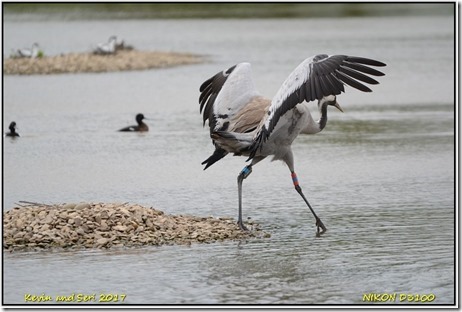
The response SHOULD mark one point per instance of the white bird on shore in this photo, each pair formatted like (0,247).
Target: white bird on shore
(245,123)
(107,47)
(28,53)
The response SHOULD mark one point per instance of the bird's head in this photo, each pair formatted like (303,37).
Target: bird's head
(139,117)
(12,127)
(329,100)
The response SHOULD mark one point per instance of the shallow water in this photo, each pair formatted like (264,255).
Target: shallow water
(380,176)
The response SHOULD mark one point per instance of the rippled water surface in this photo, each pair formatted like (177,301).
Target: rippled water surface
(380,176)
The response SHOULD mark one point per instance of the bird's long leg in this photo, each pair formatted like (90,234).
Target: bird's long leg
(244,174)
(319,223)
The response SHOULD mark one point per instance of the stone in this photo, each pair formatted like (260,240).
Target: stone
(82,206)
(77,221)
(121,228)
(111,225)
(69,206)
(104,215)
(102,241)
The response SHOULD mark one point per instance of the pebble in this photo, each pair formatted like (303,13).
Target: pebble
(106,225)
(69,206)
(82,206)
(123,60)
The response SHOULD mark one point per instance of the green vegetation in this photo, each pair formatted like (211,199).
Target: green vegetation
(224,10)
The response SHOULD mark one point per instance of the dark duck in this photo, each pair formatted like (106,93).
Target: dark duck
(12,132)
(141,127)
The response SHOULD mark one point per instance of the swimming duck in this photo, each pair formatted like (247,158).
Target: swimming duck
(12,132)
(140,127)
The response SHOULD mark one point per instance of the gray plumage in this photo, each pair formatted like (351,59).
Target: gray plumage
(243,122)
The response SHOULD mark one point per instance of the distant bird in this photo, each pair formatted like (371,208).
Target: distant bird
(12,132)
(140,127)
(107,47)
(122,46)
(28,53)
(245,123)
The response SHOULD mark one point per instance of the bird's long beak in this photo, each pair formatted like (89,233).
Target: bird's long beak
(338,106)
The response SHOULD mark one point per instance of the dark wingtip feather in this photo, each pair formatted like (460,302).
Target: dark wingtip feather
(357,75)
(351,82)
(258,142)
(363,60)
(205,84)
(216,156)
(364,69)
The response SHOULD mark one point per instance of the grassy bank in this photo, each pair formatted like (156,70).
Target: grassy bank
(224,10)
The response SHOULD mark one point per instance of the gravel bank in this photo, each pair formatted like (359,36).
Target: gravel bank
(91,63)
(98,225)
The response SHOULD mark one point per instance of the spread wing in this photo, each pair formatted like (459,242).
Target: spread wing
(224,94)
(316,77)
(222,97)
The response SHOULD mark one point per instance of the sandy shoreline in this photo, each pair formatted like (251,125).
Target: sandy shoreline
(104,225)
(91,63)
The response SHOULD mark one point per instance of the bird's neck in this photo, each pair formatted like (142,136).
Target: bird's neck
(312,126)
(323,116)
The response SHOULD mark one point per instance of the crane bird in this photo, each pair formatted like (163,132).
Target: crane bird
(141,127)
(245,123)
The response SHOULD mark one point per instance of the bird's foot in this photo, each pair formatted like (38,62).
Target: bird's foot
(242,226)
(319,224)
